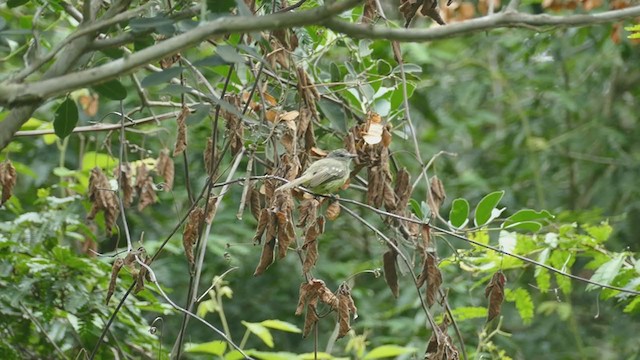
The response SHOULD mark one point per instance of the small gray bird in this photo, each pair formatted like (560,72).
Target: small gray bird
(326,175)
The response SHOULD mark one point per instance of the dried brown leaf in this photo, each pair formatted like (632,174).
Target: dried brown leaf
(115,269)
(191,233)
(390,272)
(142,173)
(262,226)
(369,12)
(434,278)
(103,199)
(266,258)
(333,210)
(495,293)
(165,168)
(308,210)
(346,306)
(211,209)
(389,197)
(310,257)
(425,234)
(181,139)
(286,233)
(386,137)
(437,195)
(123,174)
(441,345)
(310,320)
(147,194)
(234,125)
(8,179)
(254,202)
(402,190)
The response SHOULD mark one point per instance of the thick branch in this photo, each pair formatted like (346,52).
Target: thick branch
(499,20)
(15,94)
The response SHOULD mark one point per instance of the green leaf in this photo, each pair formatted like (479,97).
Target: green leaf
(607,272)
(600,233)
(158,23)
(528,215)
(260,331)
(415,207)
(229,54)
(459,214)
(562,260)
(161,77)
(66,118)
(314,356)
(112,89)
(220,6)
(92,159)
(485,209)
(217,347)
(281,325)
(215,60)
(469,312)
(386,351)
(634,306)
(523,301)
(16,3)
(530,226)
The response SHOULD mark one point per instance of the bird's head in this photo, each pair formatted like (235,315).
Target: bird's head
(341,154)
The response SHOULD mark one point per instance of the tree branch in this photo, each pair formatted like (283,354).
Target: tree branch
(499,20)
(15,94)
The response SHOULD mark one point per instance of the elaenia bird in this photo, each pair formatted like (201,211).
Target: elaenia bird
(326,175)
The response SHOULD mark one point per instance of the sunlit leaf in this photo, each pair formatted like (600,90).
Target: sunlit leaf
(217,347)
(387,351)
(484,210)
(459,214)
(607,272)
(260,331)
(92,159)
(280,325)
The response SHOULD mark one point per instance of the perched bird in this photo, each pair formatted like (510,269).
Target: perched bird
(326,175)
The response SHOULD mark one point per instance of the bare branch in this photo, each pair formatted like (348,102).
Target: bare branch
(499,20)
(13,93)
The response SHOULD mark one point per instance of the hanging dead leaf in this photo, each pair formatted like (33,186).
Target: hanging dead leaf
(310,320)
(262,226)
(369,12)
(142,174)
(168,61)
(211,162)
(333,210)
(402,190)
(234,125)
(103,199)
(191,233)
(123,174)
(115,269)
(430,9)
(390,272)
(8,179)
(211,209)
(495,293)
(147,194)
(89,104)
(437,195)
(433,277)
(286,233)
(181,139)
(254,202)
(165,168)
(266,258)
(425,234)
(389,197)
(346,306)
(441,345)
(308,210)
(372,134)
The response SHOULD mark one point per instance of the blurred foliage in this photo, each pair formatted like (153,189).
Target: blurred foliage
(548,116)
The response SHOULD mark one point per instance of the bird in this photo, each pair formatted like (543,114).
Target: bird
(326,175)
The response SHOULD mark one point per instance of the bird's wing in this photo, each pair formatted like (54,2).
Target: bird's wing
(326,174)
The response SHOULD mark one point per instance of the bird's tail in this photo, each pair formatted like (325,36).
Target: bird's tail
(293,183)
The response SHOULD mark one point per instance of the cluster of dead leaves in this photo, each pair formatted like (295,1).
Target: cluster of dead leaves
(275,224)
(429,8)
(103,199)
(8,179)
(441,345)
(314,292)
(137,271)
(197,217)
